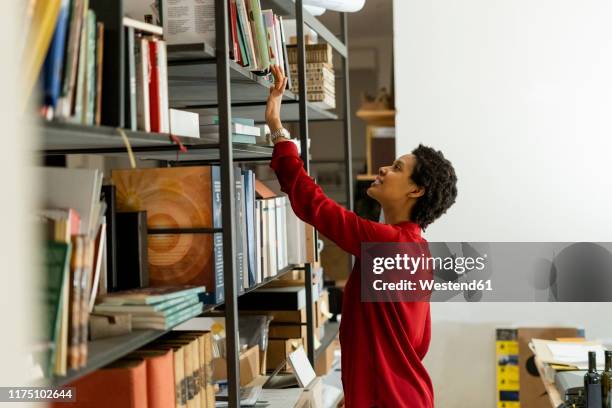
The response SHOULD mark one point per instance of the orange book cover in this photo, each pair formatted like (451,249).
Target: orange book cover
(180,197)
(122,384)
(160,378)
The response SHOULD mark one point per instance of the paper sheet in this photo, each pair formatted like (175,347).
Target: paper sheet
(575,353)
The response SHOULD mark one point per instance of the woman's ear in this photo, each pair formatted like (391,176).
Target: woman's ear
(416,191)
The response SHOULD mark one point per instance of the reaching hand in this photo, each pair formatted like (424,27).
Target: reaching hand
(275,99)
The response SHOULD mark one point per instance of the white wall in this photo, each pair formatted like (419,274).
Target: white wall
(518,95)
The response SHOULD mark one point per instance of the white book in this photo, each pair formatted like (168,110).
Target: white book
(280,209)
(258,243)
(184,123)
(296,236)
(189,21)
(143,80)
(237,128)
(272,263)
(73,188)
(162,68)
(265,238)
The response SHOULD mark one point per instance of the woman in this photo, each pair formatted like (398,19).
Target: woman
(382,343)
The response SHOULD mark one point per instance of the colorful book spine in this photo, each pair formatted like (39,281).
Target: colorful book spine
(54,62)
(66,102)
(90,76)
(143,82)
(154,89)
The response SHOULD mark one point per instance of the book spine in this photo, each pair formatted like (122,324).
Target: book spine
(249,200)
(257,25)
(80,82)
(244,57)
(268,20)
(164,106)
(76,270)
(239,266)
(54,60)
(233,31)
(85,288)
(217,236)
(99,70)
(280,207)
(287,69)
(154,91)
(243,19)
(90,77)
(258,242)
(66,102)
(143,80)
(130,78)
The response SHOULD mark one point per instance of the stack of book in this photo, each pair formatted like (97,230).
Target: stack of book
(320,79)
(268,235)
(174,371)
(75,231)
(257,37)
(243,130)
(66,35)
(153,308)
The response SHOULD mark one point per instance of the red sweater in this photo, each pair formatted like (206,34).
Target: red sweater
(382,343)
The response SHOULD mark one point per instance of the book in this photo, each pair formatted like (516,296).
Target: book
(269,206)
(296,245)
(189,21)
(143,82)
(75,293)
(164,95)
(109,197)
(206,120)
(44,19)
(252,247)
(239,240)
(279,204)
(146,308)
(259,34)
(130,79)
(57,270)
(80,85)
(272,44)
(178,365)
(233,32)
(99,71)
(245,28)
(160,377)
(132,250)
(260,241)
(182,198)
(54,61)
(283,39)
(319,53)
(66,102)
(237,128)
(184,123)
(127,378)
(154,88)
(73,188)
(166,322)
(147,296)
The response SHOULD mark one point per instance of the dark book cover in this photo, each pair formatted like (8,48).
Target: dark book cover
(249,201)
(109,196)
(132,252)
(113,70)
(238,233)
(130,78)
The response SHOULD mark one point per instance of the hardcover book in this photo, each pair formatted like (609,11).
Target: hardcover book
(182,199)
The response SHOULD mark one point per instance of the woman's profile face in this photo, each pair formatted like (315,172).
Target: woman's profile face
(394,183)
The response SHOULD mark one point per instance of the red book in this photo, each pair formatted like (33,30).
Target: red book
(154,89)
(235,53)
(120,385)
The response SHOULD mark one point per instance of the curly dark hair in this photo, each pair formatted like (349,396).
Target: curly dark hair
(437,175)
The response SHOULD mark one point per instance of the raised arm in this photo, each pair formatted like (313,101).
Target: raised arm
(307,199)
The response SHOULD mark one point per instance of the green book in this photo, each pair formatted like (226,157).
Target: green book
(90,75)
(57,270)
(148,296)
(259,31)
(247,139)
(162,309)
(165,323)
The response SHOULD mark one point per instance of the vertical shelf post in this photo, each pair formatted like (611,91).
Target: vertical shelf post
(346,116)
(227,196)
(303,113)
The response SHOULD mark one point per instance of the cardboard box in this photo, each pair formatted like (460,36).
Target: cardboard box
(249,366)
(279,349)
(326,359)
(532,393)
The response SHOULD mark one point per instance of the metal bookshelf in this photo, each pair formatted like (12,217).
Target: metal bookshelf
(203,77)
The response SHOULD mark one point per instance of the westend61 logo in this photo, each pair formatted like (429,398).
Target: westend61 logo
(486,272)
(411,264)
